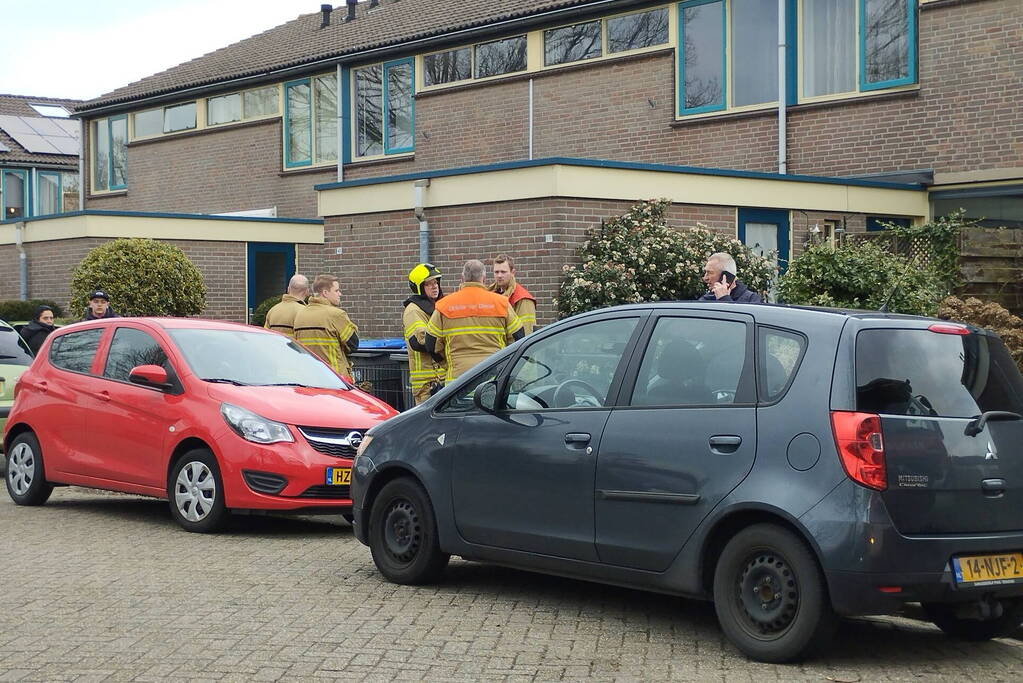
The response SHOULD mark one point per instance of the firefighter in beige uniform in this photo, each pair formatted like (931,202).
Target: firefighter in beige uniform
(425,370)
(281,318)
(325,329)
(518,296)
(471,324)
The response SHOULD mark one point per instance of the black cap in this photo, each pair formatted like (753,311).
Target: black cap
(98,294)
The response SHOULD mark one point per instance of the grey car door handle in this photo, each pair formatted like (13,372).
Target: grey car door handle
(723,444)
(577,437)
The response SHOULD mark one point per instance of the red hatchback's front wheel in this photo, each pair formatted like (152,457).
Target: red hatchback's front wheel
(196,492)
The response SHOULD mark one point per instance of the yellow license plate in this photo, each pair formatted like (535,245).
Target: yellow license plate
(989,570)
(339,476)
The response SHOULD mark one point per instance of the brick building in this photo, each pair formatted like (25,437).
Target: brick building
(516,125)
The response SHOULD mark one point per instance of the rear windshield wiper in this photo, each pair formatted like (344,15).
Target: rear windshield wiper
(224,380)
(976,425)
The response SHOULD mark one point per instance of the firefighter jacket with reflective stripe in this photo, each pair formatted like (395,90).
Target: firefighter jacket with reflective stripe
(470,325)
(522,301)
(281,318)
(328,332)
(423,369)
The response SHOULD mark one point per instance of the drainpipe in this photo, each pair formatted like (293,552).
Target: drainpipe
(424,227)
(19,241)
(341,98)
(782,132)
(81,164)
(530,119)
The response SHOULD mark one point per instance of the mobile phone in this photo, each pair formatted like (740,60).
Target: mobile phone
(727,278)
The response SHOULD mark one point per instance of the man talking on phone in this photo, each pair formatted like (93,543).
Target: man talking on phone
(722,285)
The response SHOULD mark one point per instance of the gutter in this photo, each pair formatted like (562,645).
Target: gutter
(424,225)
(359,56)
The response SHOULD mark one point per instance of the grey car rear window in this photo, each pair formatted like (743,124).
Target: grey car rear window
(919,372)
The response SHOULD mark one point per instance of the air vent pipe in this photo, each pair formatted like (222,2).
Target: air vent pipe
(351,10)
(325,10)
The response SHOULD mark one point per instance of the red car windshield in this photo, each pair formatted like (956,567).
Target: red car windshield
(252,358)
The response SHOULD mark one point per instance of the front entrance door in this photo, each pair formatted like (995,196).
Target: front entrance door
(270,268)
(766,231)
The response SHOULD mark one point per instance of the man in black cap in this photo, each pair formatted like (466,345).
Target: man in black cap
(99,306)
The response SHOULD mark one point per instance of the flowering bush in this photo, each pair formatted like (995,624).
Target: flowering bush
(637,257)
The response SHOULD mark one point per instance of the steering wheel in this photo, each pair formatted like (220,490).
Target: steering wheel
(723,395)
(566,397)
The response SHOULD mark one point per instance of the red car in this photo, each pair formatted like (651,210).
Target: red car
(211,416)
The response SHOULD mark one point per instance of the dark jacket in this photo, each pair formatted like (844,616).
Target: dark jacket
(109,314)
(741,294)
(35,334)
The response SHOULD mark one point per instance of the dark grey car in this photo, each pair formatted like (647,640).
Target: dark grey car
(793,465)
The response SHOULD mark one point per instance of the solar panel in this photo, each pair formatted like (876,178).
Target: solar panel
(42,136)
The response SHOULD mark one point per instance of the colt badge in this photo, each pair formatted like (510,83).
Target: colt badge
(991,454)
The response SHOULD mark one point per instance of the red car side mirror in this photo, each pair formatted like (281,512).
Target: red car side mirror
(149,376)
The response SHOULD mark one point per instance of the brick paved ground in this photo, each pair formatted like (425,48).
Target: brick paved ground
(106,587)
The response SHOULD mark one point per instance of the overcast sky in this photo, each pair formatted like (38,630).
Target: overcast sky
(81,49)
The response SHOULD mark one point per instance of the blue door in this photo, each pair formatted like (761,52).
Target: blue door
(270,268)
(766,231)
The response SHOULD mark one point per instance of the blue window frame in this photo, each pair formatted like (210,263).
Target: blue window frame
(887,43)
(310,120)
(381,102)
(727,51)
(110,153)
(49,193)
(14,188)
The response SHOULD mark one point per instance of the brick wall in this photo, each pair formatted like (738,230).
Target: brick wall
(964,117)
(216,171)
(51,264)
(379,249)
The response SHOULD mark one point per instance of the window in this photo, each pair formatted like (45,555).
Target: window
(919,372)
(692,361)
(384,109)
(180,117)
(14,190)
(148,123)
(572,43)
(447,67)
(728,53)
(51,110)
(242,106)
(571,369)
(224,109)
(69,192)
(310,121)
(878,223)
(76,350)
(109,154)
(129,349)
(13,349)
(636,31)
(778,357)
(501,57)
(49,192)
(461,402)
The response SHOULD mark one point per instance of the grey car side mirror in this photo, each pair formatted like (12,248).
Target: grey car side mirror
(485,396)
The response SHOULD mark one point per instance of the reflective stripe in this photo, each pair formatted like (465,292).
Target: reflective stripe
(415,327)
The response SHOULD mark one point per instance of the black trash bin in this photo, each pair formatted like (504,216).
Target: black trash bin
(378,370)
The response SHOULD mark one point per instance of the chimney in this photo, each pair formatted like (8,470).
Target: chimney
(325,10)
(373,3)
(351,10)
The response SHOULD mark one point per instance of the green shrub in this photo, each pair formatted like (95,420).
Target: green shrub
(860,275)
(637,257)
(259,315)
(990,315)
(14,310)
(142,277)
